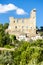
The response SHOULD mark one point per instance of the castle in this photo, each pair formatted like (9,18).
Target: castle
(23,26)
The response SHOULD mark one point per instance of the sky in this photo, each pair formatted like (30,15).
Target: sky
(21,9)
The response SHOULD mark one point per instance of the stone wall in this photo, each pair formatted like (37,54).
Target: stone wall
(22,26)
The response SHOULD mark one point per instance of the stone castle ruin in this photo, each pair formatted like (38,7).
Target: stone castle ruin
(23,26)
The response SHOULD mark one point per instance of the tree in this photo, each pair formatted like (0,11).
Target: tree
(6,58)
(41,28)
(6,39)
(2,33)
(6,25)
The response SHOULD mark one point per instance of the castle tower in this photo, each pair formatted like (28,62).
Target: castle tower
(33,19)
(33,16)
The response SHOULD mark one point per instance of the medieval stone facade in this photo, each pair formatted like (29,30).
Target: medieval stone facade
(23,26)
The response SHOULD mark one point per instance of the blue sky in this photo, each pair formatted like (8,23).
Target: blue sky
(21,9)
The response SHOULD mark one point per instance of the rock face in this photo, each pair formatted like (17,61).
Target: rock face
(23,26)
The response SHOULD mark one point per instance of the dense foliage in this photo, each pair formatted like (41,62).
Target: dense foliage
(28,53)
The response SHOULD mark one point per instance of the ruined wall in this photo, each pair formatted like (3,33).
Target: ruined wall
(23,26)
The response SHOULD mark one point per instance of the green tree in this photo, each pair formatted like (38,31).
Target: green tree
(41,28)
(6,25)
(6,58)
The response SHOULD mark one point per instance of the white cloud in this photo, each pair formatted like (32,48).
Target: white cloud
(20,11)
(5,8)
(9,7)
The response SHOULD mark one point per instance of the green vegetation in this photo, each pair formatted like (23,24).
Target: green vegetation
(25,53)
(28,53)
(40,30)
